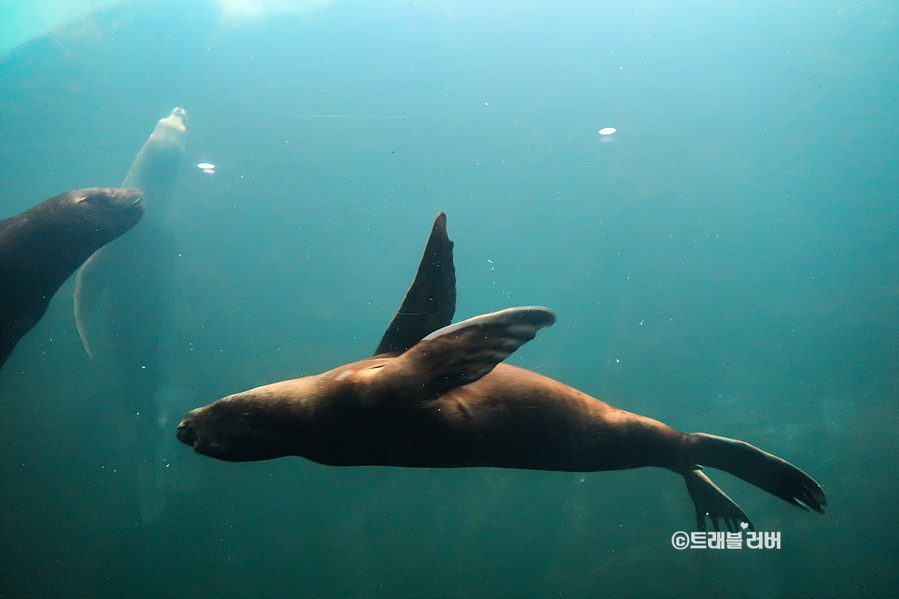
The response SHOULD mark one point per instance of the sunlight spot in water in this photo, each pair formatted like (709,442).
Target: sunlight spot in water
(607,131)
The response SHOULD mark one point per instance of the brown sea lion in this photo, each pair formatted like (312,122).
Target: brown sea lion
(41,248)
(446,400)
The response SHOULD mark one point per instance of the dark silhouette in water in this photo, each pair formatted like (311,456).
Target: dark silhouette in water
(41,248)
(446,400)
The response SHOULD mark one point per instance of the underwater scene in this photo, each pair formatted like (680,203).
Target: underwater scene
(697,203)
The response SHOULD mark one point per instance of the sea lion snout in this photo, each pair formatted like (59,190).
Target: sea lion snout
(225,430)
(110,196)
(130,201)
(108,208)
(186,433)
(196,431)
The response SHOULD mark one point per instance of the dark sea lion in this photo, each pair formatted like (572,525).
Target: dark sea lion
(41,248)
(446,400)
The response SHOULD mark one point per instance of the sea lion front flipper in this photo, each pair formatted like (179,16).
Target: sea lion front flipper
(87,305)
(462,353)
(431,300)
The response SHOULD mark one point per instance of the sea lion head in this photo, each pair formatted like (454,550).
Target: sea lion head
(244,427)
(58,235)
(102,211)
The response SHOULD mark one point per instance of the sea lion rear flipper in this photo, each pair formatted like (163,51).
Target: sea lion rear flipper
(712,502)
(431,300)
(760,468)
(462,353)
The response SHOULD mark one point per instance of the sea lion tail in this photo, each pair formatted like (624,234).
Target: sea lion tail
(764,470)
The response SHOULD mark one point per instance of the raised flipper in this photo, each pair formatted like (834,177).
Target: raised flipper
(464,352)
(431,300)
(712,502)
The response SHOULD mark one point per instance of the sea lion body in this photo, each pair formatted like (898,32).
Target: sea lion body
(124,306)
(516,418)
(447,400)
(41,248)
(509,418)
(119,292)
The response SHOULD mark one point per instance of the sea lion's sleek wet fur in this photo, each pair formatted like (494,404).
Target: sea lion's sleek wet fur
(446,400)
(41,248)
